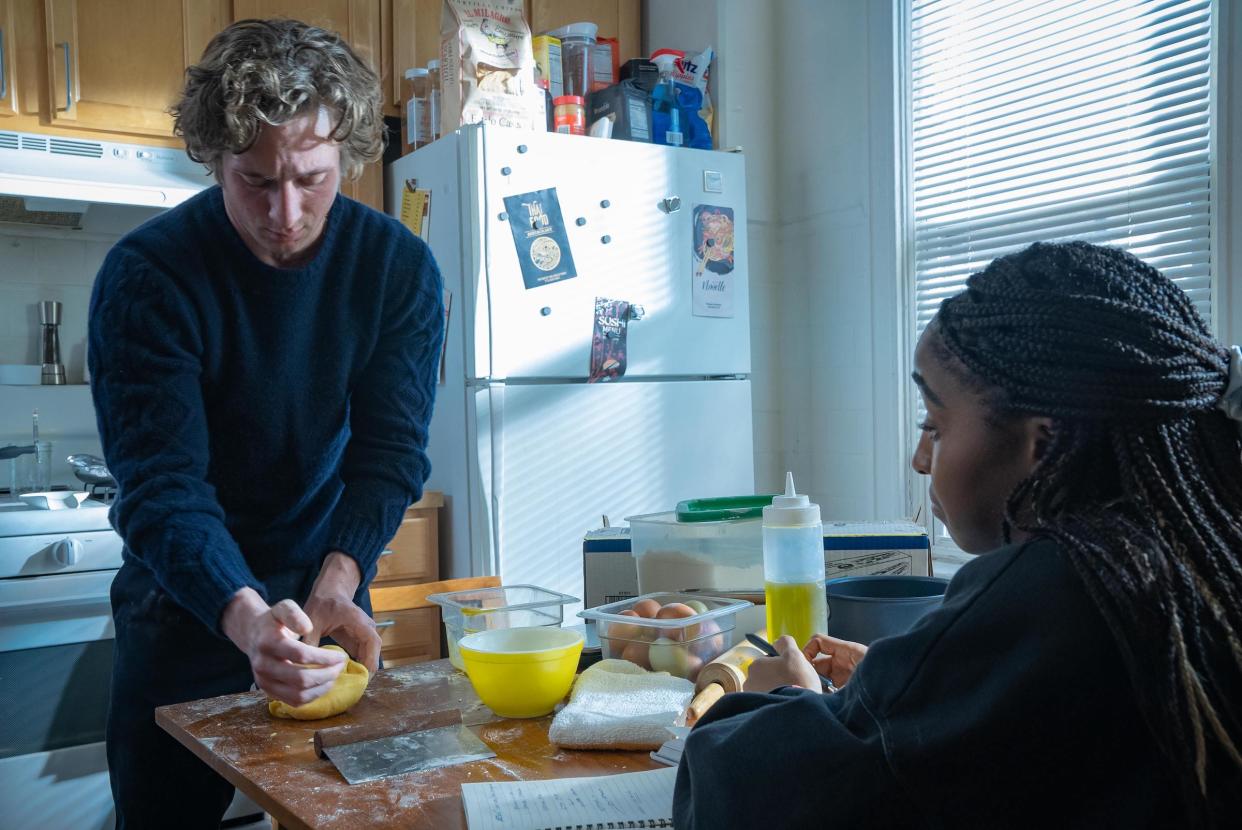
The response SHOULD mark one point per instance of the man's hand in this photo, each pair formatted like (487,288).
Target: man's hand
(332,612)
(283,667)
(834,659)
(791,668)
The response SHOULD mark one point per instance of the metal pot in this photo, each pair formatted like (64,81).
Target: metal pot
(865,608)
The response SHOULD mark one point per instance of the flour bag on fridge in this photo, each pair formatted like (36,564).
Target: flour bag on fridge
(488,67)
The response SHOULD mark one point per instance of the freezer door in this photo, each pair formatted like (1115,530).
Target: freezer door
(566,455)
(627,243)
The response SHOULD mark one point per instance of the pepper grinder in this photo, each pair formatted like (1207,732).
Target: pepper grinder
(53,369)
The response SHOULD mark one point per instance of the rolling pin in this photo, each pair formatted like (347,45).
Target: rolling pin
(725,674)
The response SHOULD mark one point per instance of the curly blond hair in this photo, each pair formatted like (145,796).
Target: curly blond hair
(259,72)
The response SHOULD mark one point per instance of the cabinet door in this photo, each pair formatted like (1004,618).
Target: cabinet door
(8,61)
(119,66)
(621,19)
(415,39)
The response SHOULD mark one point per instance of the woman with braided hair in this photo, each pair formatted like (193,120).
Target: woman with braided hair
(1083,433)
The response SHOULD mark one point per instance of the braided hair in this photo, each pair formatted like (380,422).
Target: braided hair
(1141,482)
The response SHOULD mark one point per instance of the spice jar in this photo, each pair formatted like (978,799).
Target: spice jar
(570,115)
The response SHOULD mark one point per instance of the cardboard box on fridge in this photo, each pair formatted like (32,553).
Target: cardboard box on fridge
(850,549)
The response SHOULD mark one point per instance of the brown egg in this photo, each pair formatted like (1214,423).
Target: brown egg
(636,653)
(678,611)
(624,631)
(647,608)
(675,610)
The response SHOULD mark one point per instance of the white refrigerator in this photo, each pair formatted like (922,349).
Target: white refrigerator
(529,454)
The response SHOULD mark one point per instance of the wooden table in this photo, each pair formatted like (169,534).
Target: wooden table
(273,761)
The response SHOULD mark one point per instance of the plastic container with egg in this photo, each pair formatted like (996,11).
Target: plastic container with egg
(487,609)
(674,632)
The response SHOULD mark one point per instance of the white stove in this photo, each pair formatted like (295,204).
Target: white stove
(56,569)
(37,542)
(56,634)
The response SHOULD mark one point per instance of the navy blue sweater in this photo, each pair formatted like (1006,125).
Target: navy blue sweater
(257,418)
(1009,706)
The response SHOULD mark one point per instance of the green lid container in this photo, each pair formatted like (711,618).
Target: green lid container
(722,509)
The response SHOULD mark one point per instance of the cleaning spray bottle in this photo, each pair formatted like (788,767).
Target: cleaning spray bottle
(793,566)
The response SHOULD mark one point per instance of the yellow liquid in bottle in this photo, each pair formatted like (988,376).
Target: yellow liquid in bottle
(799,609)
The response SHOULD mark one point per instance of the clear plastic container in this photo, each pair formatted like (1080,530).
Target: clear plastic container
(508,606)
(577,44)
(433,100)
(416,117)
(671,555)
(679,646)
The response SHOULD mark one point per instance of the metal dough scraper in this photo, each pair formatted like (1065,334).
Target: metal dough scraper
(408,745)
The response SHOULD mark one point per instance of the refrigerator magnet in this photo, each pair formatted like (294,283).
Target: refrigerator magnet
(712,261)
(608,341)
(539,234)
(416,208)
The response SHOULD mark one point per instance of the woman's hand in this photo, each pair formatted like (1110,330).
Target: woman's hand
(834,659)
(791,668)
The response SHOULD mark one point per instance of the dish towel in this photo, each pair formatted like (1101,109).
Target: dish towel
(616,704)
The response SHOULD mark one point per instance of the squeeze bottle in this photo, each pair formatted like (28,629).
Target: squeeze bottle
(793,567)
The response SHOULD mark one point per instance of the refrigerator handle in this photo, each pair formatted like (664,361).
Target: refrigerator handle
(496,393)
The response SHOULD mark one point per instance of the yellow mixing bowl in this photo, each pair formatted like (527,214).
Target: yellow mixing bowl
(521,672)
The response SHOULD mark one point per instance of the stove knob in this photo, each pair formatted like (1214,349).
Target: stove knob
(67,552)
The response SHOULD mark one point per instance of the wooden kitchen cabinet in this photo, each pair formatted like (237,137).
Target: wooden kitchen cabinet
(409,628)
(118,66)
(8,85)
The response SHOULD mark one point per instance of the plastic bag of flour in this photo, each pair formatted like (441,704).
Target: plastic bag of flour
(487,66)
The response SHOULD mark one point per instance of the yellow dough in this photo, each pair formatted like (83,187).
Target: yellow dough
(345,692)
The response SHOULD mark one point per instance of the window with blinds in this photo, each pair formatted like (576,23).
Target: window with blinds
(1058,119)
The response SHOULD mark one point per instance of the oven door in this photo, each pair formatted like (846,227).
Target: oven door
(55,670)
(55,661)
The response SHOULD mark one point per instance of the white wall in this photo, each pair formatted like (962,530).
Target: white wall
(806,88)
(55,266)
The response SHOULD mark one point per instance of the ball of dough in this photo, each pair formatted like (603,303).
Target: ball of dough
(345,692)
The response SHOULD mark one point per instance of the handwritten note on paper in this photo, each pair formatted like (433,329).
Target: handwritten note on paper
(631,799)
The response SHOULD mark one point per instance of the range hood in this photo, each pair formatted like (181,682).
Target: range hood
(102,186)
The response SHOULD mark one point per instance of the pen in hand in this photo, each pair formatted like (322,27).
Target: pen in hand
(770,650)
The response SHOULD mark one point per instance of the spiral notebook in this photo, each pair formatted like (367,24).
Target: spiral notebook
(626,800)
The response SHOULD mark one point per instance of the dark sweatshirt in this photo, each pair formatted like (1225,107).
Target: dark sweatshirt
(256,418)
(1007,707)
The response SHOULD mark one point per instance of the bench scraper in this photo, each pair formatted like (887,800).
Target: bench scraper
(413,744)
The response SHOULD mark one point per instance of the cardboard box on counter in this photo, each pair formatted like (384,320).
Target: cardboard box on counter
(850,549)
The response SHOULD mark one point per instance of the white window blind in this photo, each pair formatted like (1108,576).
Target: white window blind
(1058,119)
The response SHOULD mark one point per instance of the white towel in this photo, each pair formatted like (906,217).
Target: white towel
(616,704)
